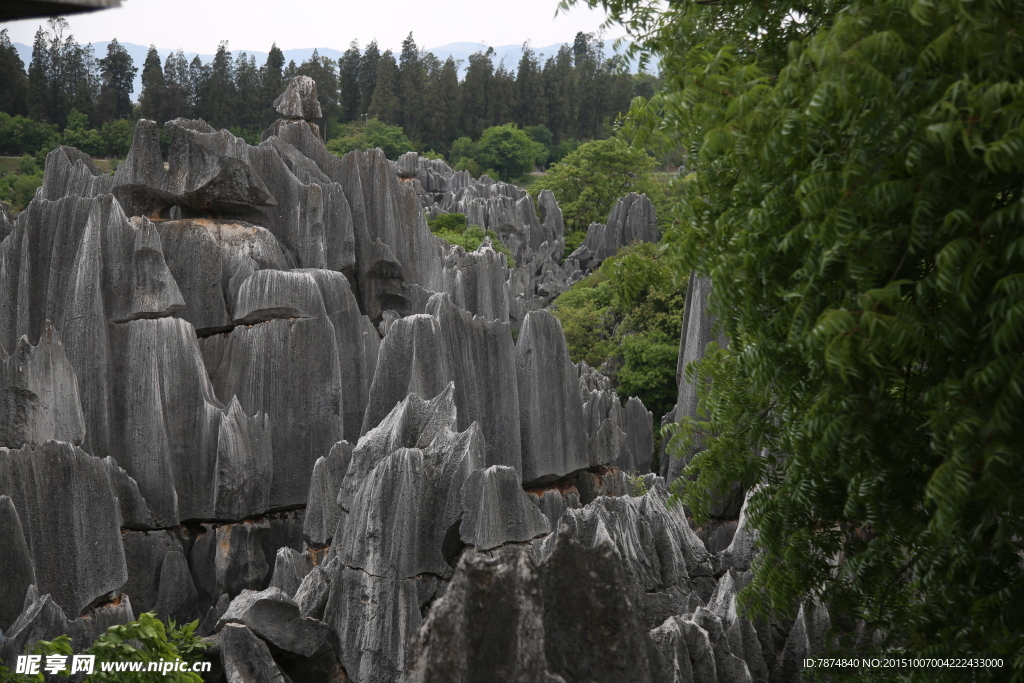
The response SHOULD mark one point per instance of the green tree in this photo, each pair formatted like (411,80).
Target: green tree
(475,93)
(441,116)
(856,201)
(61,76)
(385,104)
(589,180)
(272,80)
(543,136)
(121,643)
(560,94)
(177,98)
(411,77)
(348,82)
(13,80)
(198,78)
(509,151)
(153,86)
(531,105)
(606,317)
(249,102)
(117,74)
(501,102)
(217,102)
(374,133)
(368,76)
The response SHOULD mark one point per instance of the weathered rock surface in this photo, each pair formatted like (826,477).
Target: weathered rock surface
(552,429)
(311,597)
(476,281)
(322,509)
(246,658)
(299,100)
(481,358)
(42,619)
(210,259)
(228,559)
(631,220)
(639,437)
(145,553)
(39,394)
(592,631)
(554,502)
(290,569)
(15,564)
(203,339)
(176,597)
(70,521)
(282,360)
(496,511)
(488,625)
(135,512)
(697,333)
(275,617)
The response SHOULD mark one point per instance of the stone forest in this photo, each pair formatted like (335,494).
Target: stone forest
(252,389)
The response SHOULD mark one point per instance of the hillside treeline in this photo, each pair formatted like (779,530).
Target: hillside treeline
(576,93)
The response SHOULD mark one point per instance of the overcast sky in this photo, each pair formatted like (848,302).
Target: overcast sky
(198,25)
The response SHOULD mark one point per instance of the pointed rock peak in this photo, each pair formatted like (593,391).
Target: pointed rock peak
(496,510)
(299,100)
(440,415)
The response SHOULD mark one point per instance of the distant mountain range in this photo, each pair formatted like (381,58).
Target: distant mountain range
(509,54)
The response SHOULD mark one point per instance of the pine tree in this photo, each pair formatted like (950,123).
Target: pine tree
(218,101)
(13,79)
(560,93)
(441,104)
(348,82)
(62,75)
(587,57)
(272,79)
(177,99)
(248,86)
(502,102)
(385,104)
(368,76)
(411,75)
(198,81)
(531,109)
(151,99)
(117,72)
(475,92)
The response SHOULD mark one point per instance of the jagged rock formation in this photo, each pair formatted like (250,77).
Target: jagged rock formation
(253,389)
(631,220)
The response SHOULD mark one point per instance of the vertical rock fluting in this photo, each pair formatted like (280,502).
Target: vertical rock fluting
(61,492)
(199,417)
(553,433)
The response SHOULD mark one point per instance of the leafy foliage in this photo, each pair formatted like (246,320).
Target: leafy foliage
(120,644)
(452,228)
(509,151)
(589,180)
(857,202)
(374,133)
(629,320)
